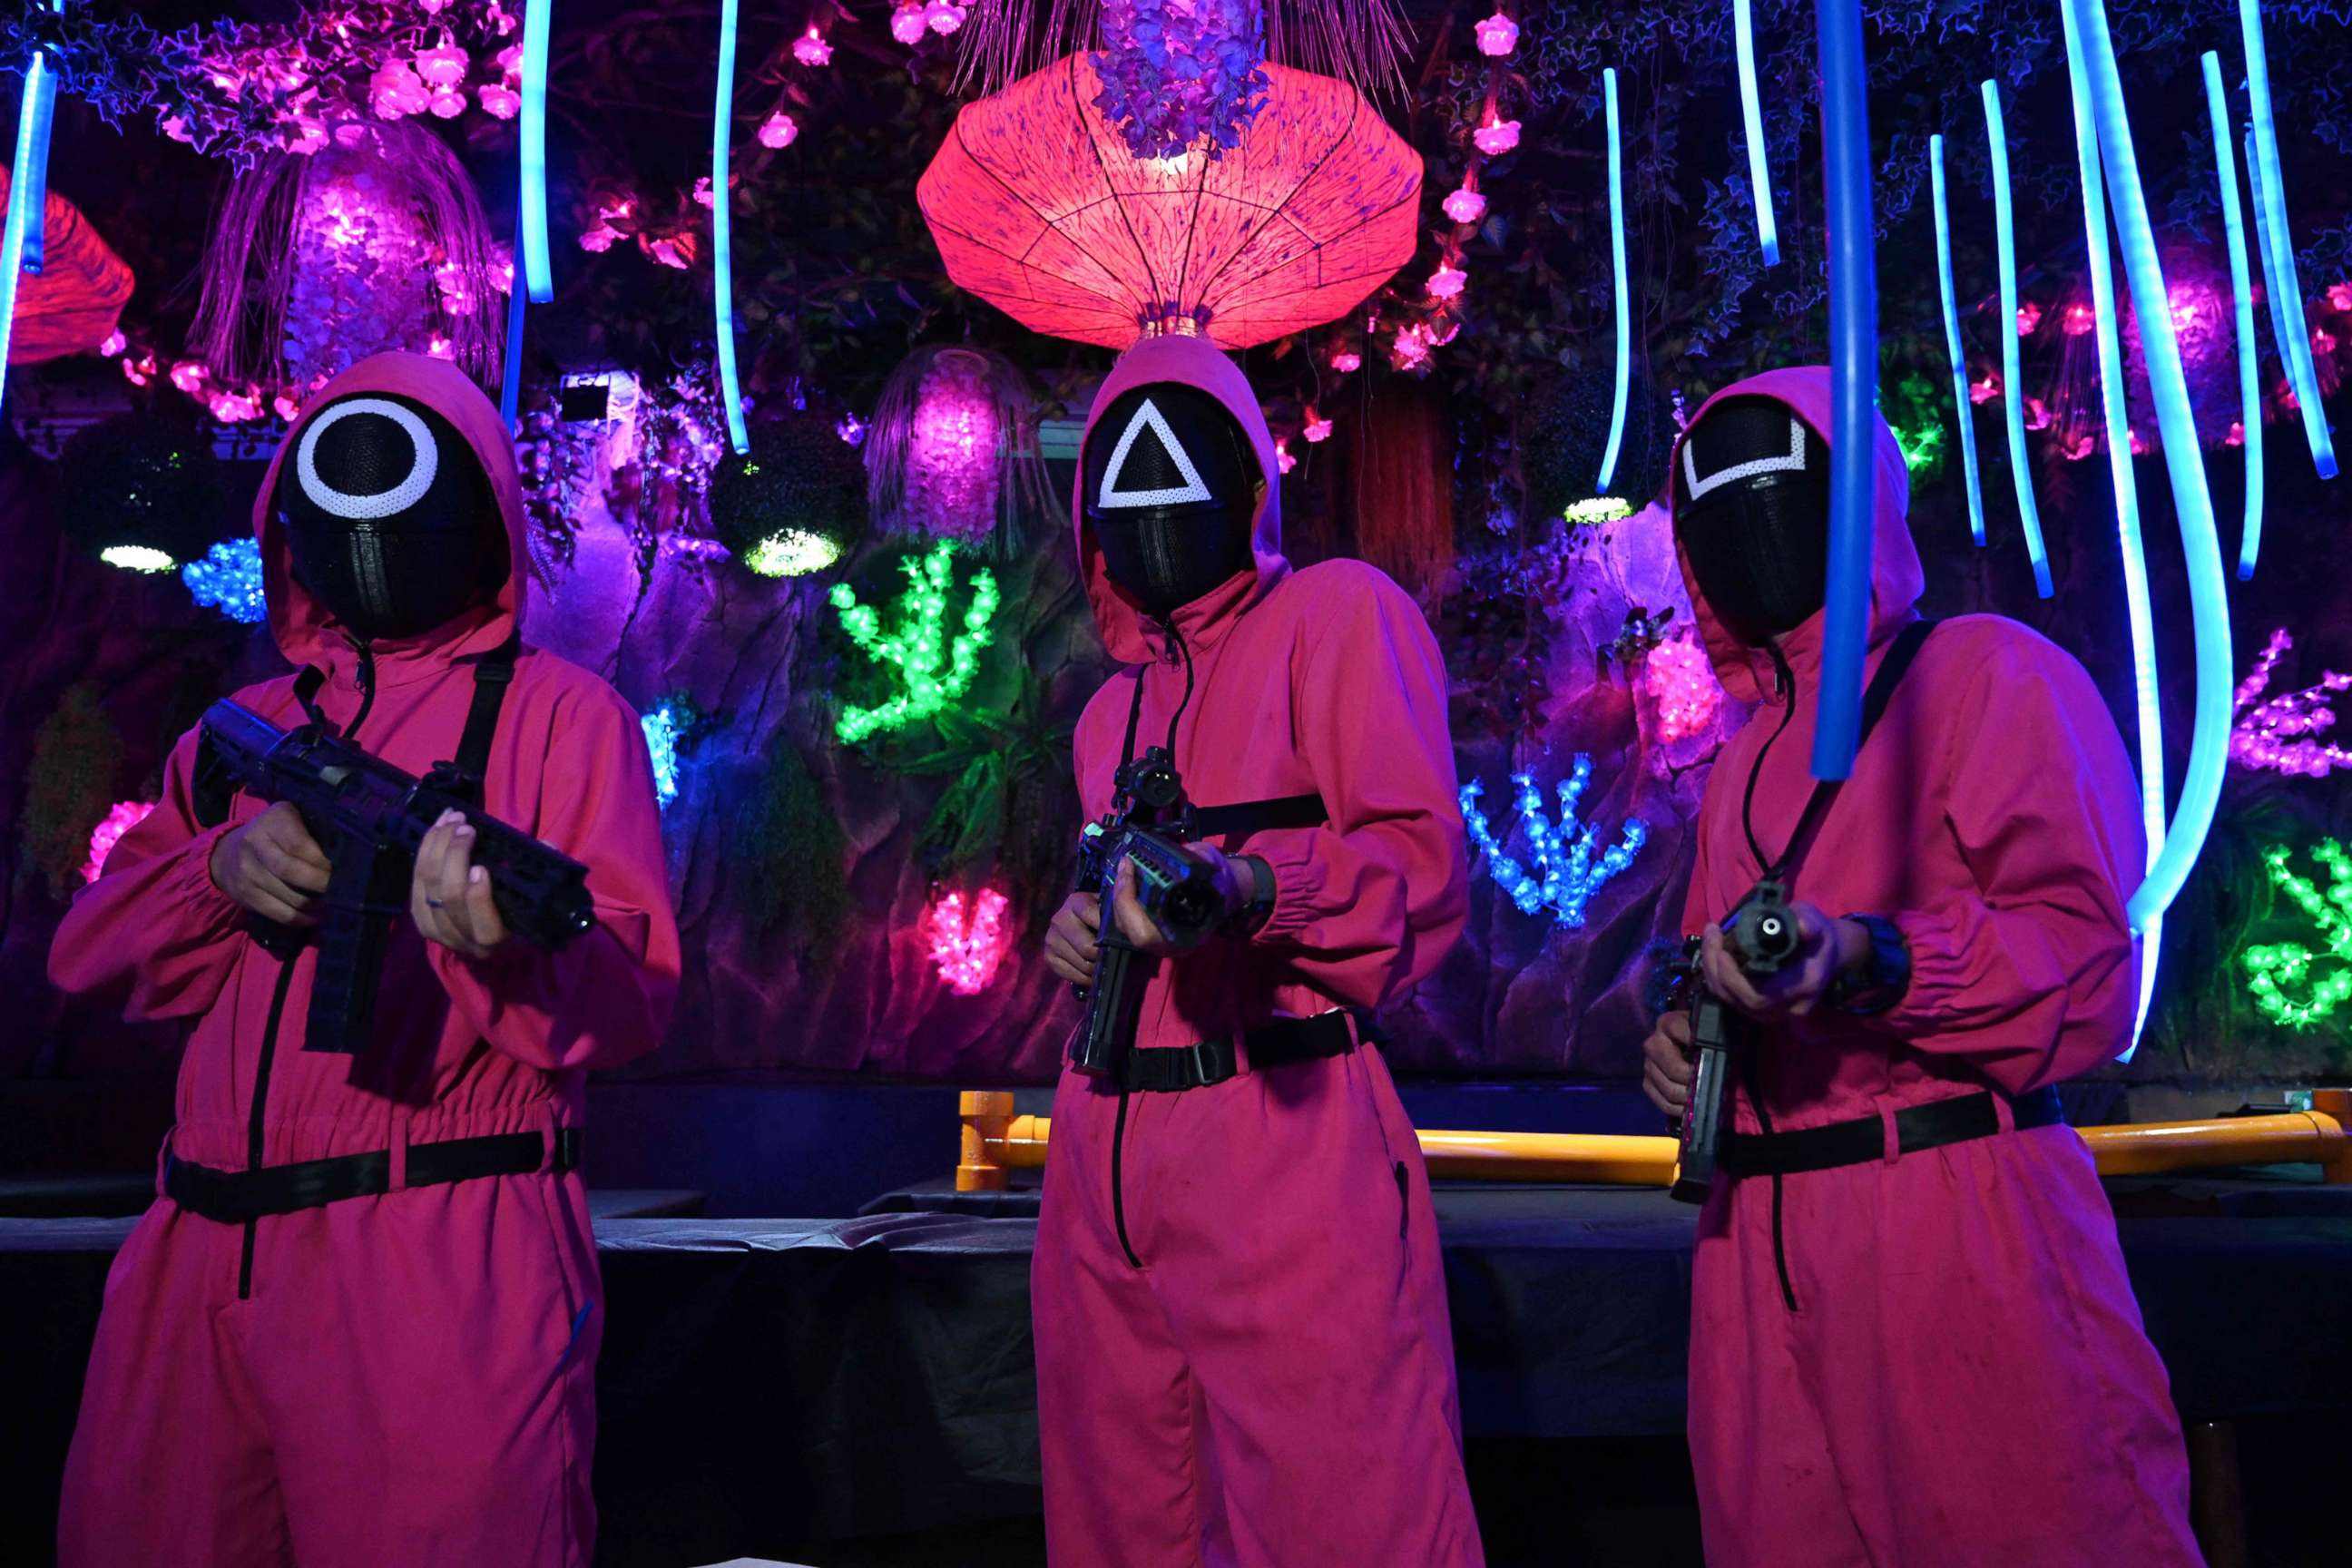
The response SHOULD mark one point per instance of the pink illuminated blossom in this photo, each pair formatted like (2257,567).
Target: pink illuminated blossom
(189,375)
(702,192)
(449,102)
(2138,444)
(396,91)
(907,24)
(2079,319)
(942,16)
(2029,317)
(1985,391)
(812,49)
(1496,137)
(1412,351)
(2038,415)
(1347,361)
(1447,283)
(1497,34)
(967,942)
(125,816)
(234,408)
(598,239)
(1680,679)
(444,66)
(114,345)
(440,347)
(174,127)
(2339,296)
(2280,735)
(670,250)
(779,129)
(501,101)
(286,407)
(1464,206)
(1317,429)
(2237,436)
(1282,457)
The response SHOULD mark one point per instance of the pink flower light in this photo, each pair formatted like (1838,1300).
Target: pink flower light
(2079,319)
(1497,34)
(1347,361)
(1412,350)
(286,407)
(125,816)
(2029,317)
(2279,736)
(670,250)
(2339,296)
(396,91)
(2038,415)
(1317,429)
(702,192)
(188,375)
(968,942)
(443,66)
(1283,461)
(1680,679)
(234,408)
(114,345)
(812,49)
(907,24)
(1495,137)
(440,347)
(1447,283)
(501,101)
(1464,206)
(943,17)
(449,102)
(1985,391)
(778,129)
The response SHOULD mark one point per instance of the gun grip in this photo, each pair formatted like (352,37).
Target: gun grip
(361,890)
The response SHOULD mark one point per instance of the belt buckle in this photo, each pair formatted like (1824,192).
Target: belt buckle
(1204,1071)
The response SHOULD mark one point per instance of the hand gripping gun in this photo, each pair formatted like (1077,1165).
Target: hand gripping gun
(1764,938)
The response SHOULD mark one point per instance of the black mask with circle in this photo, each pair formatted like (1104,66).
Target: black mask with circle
(1752,515)
(1171,489)
(389,516)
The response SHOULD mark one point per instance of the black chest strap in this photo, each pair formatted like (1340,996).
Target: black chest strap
(1880,693)
(464,775)
(1245,818)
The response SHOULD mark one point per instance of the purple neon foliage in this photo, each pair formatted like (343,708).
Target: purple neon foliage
(1179,74)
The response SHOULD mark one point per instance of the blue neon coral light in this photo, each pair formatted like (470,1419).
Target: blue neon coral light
(2294,346)
(722,236)
(1854,383)
(2013,390)
(2208,591)
(1751,109)
(2250,381)
(1624,295)
(1961,409)
(538,272)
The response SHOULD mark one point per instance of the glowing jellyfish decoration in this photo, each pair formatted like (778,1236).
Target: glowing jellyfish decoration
(968,939)
(126,816)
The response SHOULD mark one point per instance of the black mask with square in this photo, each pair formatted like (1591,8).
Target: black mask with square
(1170,486)
(1752,514)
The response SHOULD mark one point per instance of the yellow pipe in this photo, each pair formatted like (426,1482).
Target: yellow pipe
(996,1142)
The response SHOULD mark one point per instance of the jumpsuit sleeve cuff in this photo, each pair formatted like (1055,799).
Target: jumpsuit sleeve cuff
(1296,879)
(1939,973)
(190,885)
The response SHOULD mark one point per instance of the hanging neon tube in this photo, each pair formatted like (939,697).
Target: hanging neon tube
(1854,383)
(22,186)
(2271,204)
(2250,381)
(2012,390)
(2133,545)
(1751,109)
(510,368)
(1962,409)
(538,272)
(722,231)
(1624,295)
(36,193)
(2209,746)
(2274,291)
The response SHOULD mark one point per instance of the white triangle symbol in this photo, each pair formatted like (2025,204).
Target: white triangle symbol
(1112,497)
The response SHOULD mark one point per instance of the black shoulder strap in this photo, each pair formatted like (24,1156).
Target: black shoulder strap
(1245,817)
(492,676)
(1881,690)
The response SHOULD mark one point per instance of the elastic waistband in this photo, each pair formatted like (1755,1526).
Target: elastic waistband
(1173,1069)
(1862,1140)
(234,1197)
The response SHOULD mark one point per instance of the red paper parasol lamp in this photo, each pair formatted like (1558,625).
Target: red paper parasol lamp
(74,301)
(1038,207)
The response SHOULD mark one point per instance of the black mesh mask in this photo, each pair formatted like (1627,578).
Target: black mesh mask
(1752,514)
(1170,486)
(389,516)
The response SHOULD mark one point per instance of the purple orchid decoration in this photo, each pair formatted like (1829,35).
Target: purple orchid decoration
(1180,74)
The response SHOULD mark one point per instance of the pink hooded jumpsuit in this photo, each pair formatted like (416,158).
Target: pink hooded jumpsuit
(405,1378)
(1243,1353)
(1963,1379)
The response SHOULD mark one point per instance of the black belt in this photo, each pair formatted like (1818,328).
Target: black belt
(1171,1069)
(1863,1140)
(234,1197)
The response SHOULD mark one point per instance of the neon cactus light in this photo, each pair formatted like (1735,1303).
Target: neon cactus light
(2281,734)
(968,941)
(1564,871)
(2292,983)
(933,670)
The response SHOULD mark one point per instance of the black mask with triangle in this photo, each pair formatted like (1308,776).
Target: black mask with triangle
(1169,488)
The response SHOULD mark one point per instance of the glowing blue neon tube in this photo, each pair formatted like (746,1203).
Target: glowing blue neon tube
(1854,383)
(723,232)
(2117,418)
(2274,290)
(2012,374)
(510,368)
(1752,109)
(2208,745)
(1625,294)
(37,189)
(538,272)
(2250,382)
(1962,409)
(21,187)
(2270,200)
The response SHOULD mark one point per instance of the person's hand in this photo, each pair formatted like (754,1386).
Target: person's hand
(1825,950)
(1231,877)
(1666,1069)
(1070,938)
(273,868)
(450,898)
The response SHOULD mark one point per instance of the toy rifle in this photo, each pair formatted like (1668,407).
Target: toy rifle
(370,816)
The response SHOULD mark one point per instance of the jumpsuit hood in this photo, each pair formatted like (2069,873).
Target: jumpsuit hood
(1896,578)
(306,631)
(1128,631)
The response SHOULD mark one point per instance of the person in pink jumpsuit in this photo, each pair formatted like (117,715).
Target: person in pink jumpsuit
(1243,1351)
(404,1375)
(1923,1355)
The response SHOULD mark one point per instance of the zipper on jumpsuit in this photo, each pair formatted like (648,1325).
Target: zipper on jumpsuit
(257,1117)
